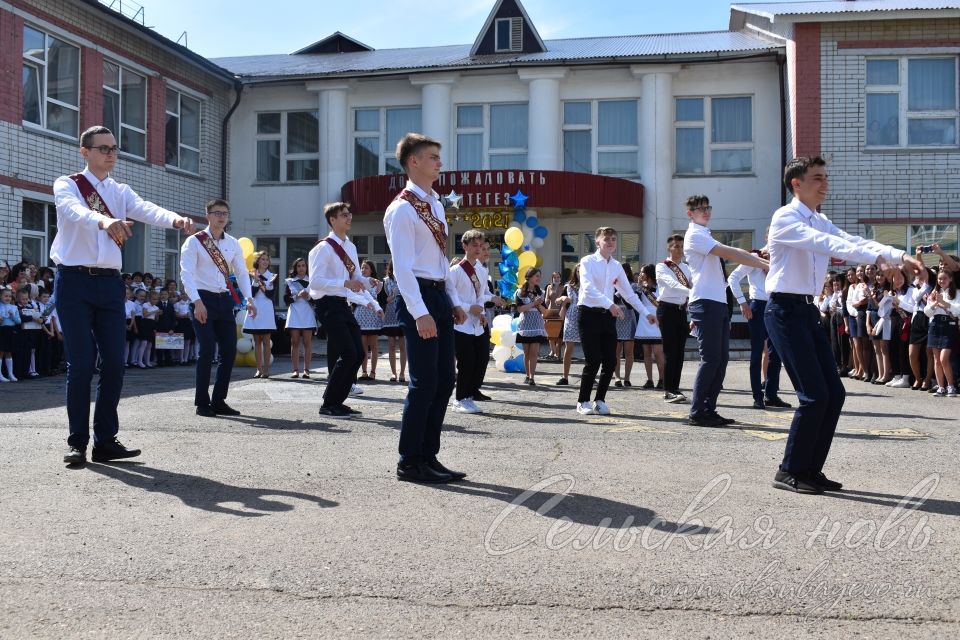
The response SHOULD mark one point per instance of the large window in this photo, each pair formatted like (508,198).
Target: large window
(911,102)
(714,135)
(51,82)
(39,227)
(376,133)
(602,134)
(910,236)
(135,248)
(182,141)
(492,136)
(125,108)
(288,146)
(171,254)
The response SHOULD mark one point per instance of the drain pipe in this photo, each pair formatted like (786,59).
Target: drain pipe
(238,87)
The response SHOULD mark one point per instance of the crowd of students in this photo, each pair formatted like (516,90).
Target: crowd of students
(31,343)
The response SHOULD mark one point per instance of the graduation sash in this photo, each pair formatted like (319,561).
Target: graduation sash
(677,271)
(207,242)
(93,200)
(652,298)
(338,249)
(472,274)
(425,213)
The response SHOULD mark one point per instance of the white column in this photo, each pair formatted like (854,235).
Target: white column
(436,107)
(544,125)
(656,157)
(334,140)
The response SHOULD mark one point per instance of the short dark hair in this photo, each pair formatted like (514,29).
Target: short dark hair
(698,200)
(472,234)
(95,130)
(797,168)
(675,238)
(411,143)
(604,231)
(216,202)
(333,209)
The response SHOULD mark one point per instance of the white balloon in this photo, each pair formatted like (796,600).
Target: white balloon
(244,345)
(271,358)
(241,316)
(527,235)
(501,352)
(508,339)
(502,321)
(536,243)
(516,224)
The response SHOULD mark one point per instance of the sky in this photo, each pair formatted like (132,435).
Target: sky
(223,28)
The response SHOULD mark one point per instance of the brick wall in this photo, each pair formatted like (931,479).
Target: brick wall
(91,88)
(895,186)
(11,35)
(806,107)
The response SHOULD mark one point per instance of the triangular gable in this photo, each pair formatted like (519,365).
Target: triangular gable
(335,43)
(509,21)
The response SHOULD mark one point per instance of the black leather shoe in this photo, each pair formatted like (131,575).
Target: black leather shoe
(717,416)
(223,409)
(789,482)
(352,412)
(437,466)
(758,404)
(421,472)
(112,450)
(776,403)
(75,455)
(206,410)
(562,382)
(480,397)
(704,421)
(334,412)
(825,483)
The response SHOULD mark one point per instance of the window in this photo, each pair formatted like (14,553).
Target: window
(182,140)
(125,108)
(134,249)
(602,134)
(373,152)
(171,254)
(288,146)
(51,82)
(373,247)
(39,225)
(492,136)
(729,147)
(574,246)
(909,237)
(509,35)
(911,102)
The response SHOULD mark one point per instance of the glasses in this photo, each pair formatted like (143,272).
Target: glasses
(105,150)
(221,214)
(705,208)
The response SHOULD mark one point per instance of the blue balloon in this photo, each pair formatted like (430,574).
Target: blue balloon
(506,252)
(504,269)
(532,221)
(515,323)
(526,247)
(507,290)
(519,216)
(515,365)
(540,232)
(510,277)
(513,262)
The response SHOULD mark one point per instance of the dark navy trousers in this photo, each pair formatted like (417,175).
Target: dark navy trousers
(431,366)
(793,325)
(344,348)
(758,338)
(92,317)
(220,329)
(713,335)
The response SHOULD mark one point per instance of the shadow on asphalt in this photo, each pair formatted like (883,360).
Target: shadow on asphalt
(929,505)
(203,493)
(576,507)
(279,424)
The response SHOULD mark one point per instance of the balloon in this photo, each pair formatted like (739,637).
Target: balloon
(515,365)
(532,221)
(246,245)
(502,321)
(508,338)
(536,243)
(239,332)
(244,345)
(514,238)
(248,259)
(507,290)
(502,353)
(504,269)
(510,277)
(527,260)
(540,232)
(519,216)
(240,317)
(495,336)
(271,358)
(515,323)
(250,358)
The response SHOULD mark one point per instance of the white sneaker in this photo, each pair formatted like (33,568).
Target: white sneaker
(2,379)
(466,406)
(951,391)
(902,383)
(585,409)
(894,380)
(601,408)
(356,390)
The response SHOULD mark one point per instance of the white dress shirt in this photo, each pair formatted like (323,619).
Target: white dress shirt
(198,271)
(467,294)
(936,310)
(414,250)
(708,280)
(801,244)
(670,288)
(327,273)
(600,278)
(79,240)
(756,279)
(855,294)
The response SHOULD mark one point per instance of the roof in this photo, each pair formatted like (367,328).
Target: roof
(638,48)
(773,10)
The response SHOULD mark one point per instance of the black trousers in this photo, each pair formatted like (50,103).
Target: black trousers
(598,339)
(220,330)
(473,354)
(675,328)
(344,348)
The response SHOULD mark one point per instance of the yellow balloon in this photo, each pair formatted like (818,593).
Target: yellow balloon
(246,244)
(495,336)
(250,358)
(527,259)
(513,237)
(539,262)
(249,260)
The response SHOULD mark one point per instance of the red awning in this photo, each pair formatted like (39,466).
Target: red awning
(492,189)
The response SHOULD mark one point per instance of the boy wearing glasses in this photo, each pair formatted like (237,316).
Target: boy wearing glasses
(94,215)
(709,314)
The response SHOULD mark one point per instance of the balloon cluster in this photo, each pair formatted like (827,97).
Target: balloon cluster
(245,354)
(523,237)
(503,334)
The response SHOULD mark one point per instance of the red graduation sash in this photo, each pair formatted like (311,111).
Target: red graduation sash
(93,200)
(425,213)
(207,242)
(471,273)
(338,249)
(677,271)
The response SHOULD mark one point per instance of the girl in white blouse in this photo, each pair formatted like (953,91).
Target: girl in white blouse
(943,309)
